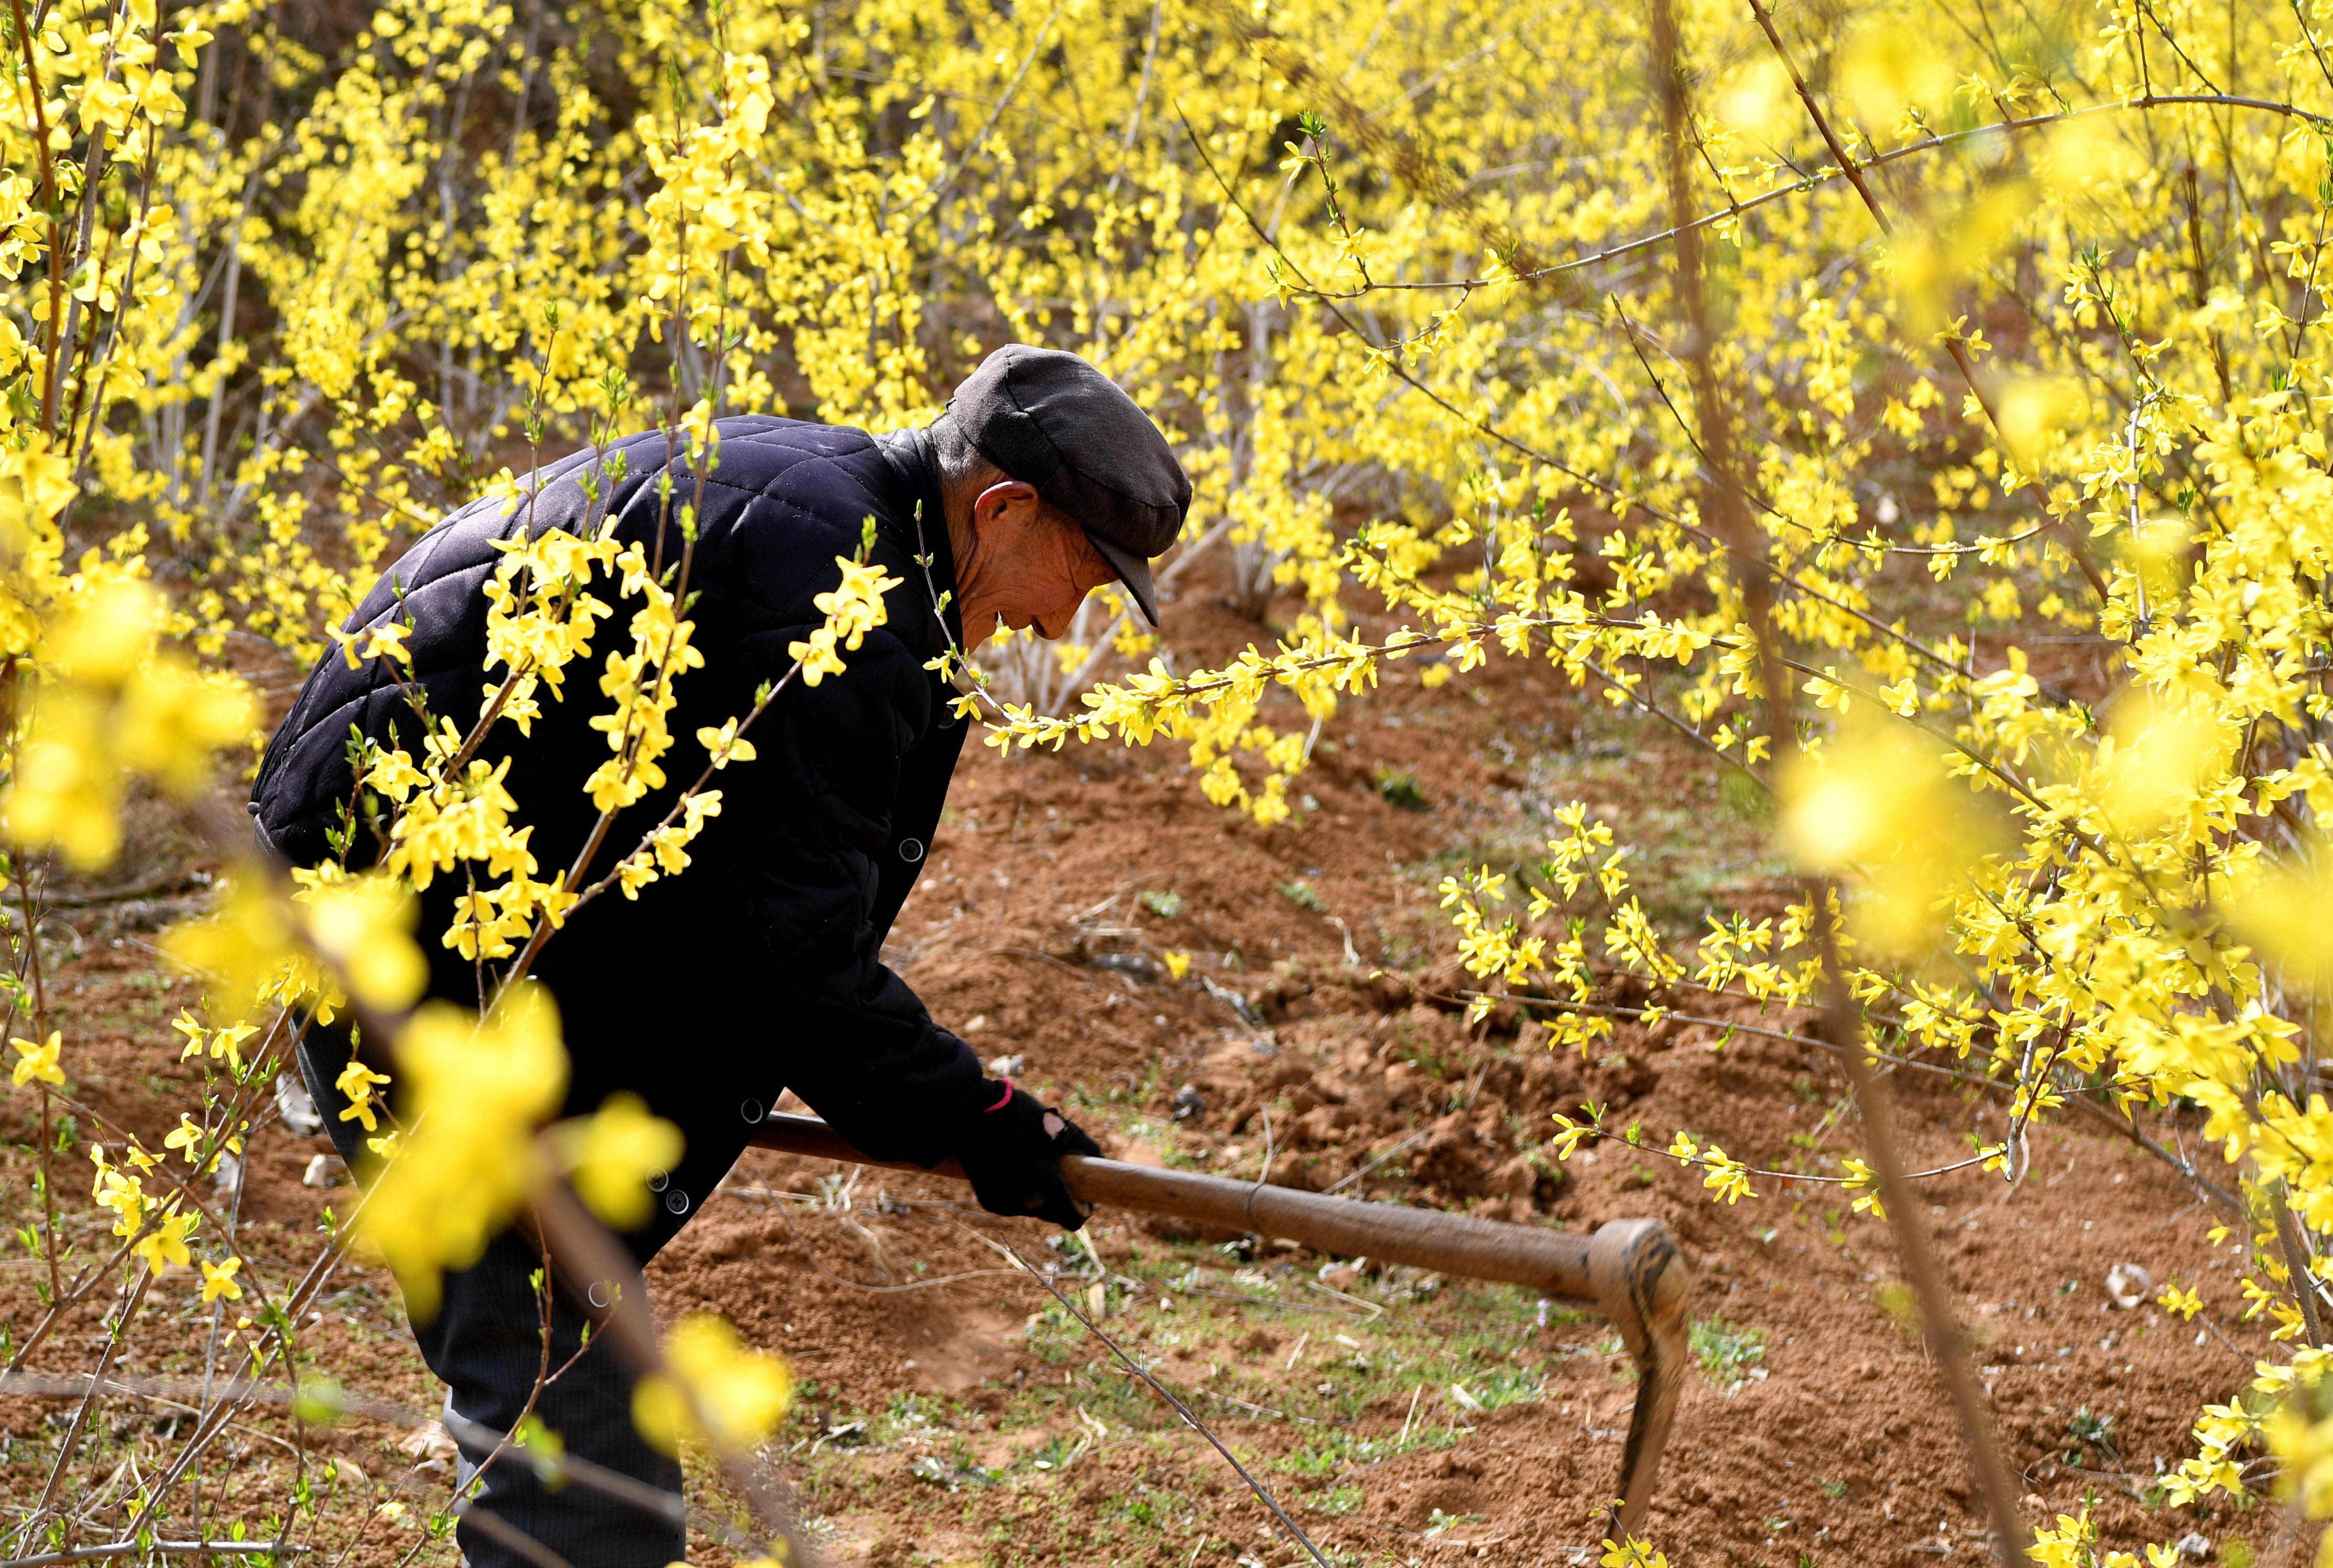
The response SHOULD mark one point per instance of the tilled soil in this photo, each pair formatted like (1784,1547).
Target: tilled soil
(952,1412)
(1836,1447)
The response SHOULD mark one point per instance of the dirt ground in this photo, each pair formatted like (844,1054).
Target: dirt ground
(952,1412)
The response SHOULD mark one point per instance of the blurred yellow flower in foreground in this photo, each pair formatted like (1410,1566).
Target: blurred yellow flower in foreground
(1877,808)
(111,702)
(2158,755)
(471,1093)
(362,925)
(741,1391)
(2285,917)
(610,1157)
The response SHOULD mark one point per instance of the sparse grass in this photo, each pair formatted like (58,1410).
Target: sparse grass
(1502,1386)
(1337,1449)
(905,1414)
(1486,1339)
(955,1473)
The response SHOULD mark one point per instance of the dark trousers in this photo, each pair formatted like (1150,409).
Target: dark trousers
(487,1346)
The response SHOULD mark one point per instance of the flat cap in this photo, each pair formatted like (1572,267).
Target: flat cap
(1051,420)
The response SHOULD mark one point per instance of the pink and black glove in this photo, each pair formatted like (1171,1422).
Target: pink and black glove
(1013,1151)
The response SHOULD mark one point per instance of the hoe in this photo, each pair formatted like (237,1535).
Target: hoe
(1629,1270)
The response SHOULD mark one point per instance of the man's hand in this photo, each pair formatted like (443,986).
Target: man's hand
(1013,1150)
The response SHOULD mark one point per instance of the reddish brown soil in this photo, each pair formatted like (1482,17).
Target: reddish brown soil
(1029,933)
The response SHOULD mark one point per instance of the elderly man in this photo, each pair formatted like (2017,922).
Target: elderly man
(760,970)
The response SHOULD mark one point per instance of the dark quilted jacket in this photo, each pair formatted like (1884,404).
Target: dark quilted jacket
(759,968)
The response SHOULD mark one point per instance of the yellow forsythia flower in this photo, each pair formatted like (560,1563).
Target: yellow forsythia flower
(852,609)
(218,1280)
(357,1083)
(165,1245)
(38,1062)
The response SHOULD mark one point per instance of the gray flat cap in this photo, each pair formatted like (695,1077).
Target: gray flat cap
(1050,420)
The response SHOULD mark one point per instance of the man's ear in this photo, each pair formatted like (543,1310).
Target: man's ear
(999,498)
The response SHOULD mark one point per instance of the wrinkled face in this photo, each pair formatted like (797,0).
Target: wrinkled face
(1028,566)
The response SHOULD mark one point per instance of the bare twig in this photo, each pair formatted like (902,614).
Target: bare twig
(582,1251)
(503,1533)
(1723,502)
(2076,545)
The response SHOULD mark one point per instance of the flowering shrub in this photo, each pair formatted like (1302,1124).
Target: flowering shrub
(1811,398)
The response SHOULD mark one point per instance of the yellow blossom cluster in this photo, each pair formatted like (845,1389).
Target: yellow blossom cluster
(851,611)
(541,615)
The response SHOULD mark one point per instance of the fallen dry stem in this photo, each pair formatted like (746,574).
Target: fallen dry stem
(1163,1392)
(159,1548)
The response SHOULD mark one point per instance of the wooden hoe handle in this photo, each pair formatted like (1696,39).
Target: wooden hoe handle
(1630,1270)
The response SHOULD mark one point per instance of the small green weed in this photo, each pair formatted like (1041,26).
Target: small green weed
(1337,1501)
(1053,1334)
(1438,1521)
(1165,905)
(906,1413)
(1902,1307)
(1301,894)
(2089,1431)
(1401,790)
(1325,1460)
(1139,1507)
(1726,1352)
(1058,1454)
